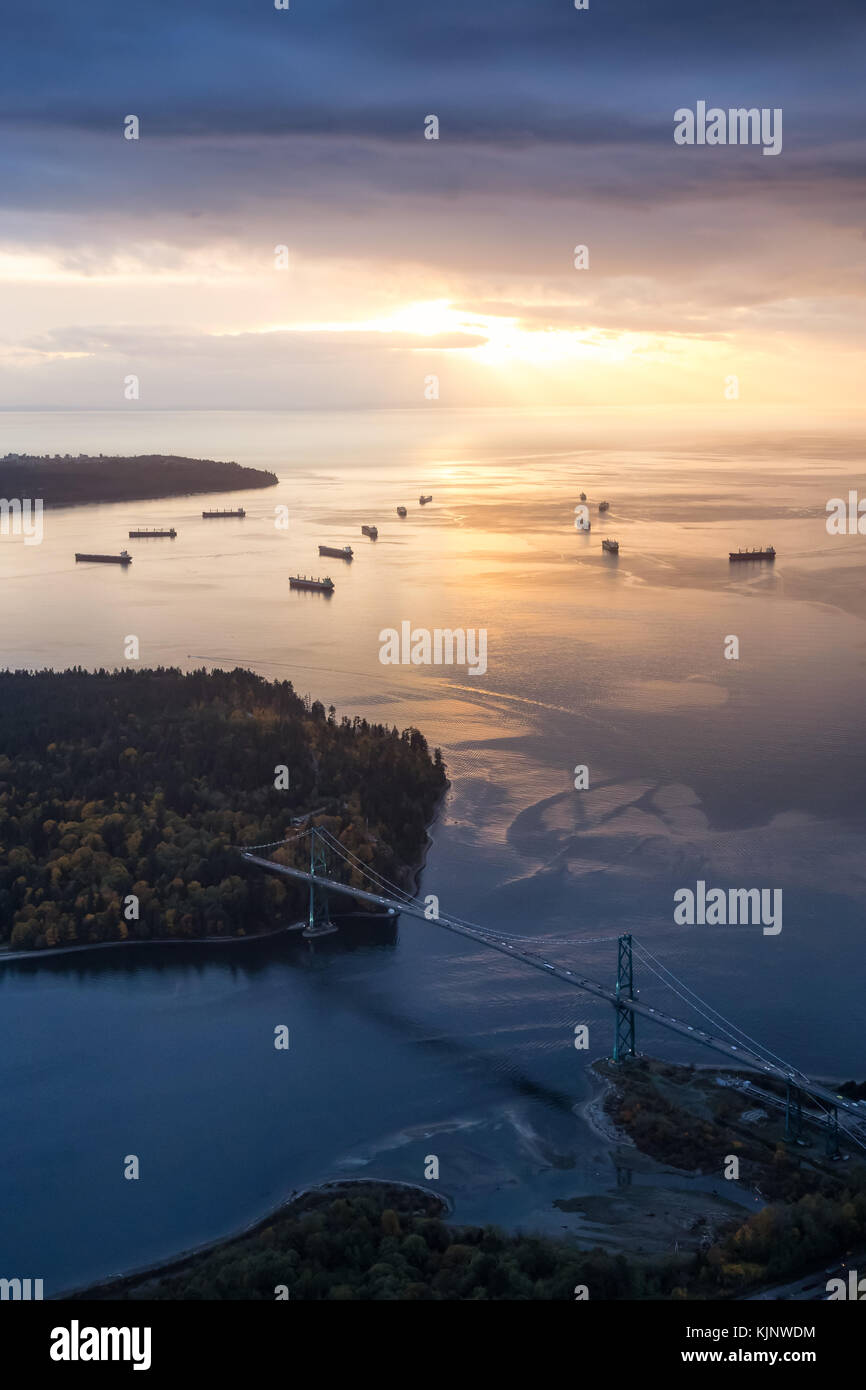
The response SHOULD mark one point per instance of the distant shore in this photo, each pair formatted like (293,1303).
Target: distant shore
(66,481)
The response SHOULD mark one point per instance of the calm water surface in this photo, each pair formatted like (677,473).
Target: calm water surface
(743,773)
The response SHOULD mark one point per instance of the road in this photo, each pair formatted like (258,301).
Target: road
(733,1051)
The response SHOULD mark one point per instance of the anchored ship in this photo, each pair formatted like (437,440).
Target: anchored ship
(768,553)
(239,511)
(603,506)
(612,546)
(583,497)
(344,552)
(144,533)
(324,586)
(124,558)
(401,511)
(422,499)
(371,531)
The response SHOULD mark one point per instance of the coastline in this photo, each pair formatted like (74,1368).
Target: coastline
(333,1187)
(44,474)
(7,956)
(595,1117)
(156,496)
(415,871)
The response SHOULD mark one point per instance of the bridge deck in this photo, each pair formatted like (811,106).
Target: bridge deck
(735,1052)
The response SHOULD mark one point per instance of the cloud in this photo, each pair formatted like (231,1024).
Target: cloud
(305,128)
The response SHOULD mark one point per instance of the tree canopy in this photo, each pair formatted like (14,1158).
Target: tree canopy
(144,783)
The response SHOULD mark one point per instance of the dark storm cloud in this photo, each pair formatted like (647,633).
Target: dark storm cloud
(492,69)
(243,106)
(305,127)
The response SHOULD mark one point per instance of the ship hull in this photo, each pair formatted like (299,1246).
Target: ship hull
(315,584)
(105,559)
(337,554)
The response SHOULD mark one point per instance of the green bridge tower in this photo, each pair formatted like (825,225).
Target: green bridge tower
(623,1034)
(319,922)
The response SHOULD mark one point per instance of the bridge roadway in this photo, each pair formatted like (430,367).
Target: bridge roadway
(734,1051)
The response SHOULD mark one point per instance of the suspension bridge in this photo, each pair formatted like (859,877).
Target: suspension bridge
(720,1035)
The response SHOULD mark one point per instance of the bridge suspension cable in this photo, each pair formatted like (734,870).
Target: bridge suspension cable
(275,844)
(718,1025)
(374,877)
(401,895)
(501,941)
(682,990)
(757,1050)
(650,962)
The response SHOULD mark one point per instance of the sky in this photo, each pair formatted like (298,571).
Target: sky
(715,273)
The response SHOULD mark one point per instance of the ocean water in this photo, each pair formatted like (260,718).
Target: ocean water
(743,773)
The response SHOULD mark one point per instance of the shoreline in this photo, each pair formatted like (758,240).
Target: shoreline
(163,1268)
(595,1117)
(156,496)
(415,871)
(7,956)
(34,472)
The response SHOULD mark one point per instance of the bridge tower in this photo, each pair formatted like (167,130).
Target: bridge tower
(793,1114)
(623,1032)
(831,1142)
(319,922)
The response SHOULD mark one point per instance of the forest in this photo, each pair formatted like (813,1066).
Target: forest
(65,481)
(379,1241)
(679,1117)
(125,795)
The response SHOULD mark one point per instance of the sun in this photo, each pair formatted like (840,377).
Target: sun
(496,341)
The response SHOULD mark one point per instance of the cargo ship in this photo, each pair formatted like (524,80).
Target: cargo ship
(239,511)
(344,552)
(583,497)
(603,506)
(124,558)
(145,533)
(401,511)
(323,586)
(612,546)
(371,531)
(423,500)
(768,553)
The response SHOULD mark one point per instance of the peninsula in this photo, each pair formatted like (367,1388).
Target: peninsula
(139,786)
(64,480)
